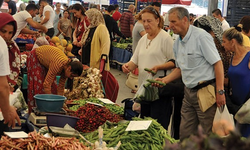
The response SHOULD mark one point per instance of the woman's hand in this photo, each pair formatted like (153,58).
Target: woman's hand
(125,68)
(80,52)
(74,42)
(79,44)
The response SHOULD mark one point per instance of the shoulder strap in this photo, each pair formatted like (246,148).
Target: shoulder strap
(104,59)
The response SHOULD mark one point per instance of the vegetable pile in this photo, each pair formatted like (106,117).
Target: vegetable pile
(201,141)
(151,139)
(37,141)
(88,85)
(114,108)
(92,116)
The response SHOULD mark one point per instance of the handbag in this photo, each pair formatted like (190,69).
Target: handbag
(132,81)
(243,114)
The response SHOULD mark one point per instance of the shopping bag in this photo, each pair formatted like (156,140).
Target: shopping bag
(243,115)
(132,81)
(109,82)
(40,41)
(146,91)
(223,122)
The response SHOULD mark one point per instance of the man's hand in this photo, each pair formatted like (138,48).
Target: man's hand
(154,69)
(10,117)
(220,99)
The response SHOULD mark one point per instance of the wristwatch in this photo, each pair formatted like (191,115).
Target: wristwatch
(221,92)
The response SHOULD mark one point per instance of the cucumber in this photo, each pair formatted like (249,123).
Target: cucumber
(154,81)
(149,70)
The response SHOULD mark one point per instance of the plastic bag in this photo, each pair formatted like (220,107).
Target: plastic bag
(243,115)
(40,41)
(223,122)
(146,91)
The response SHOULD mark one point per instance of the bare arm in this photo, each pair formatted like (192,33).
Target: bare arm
(74,37)
(166,66)
(28,31)
(128,67)
(9,112)
(36,25)
(131,28)
(142,33)
(46,17)
(10,11)
(219,76)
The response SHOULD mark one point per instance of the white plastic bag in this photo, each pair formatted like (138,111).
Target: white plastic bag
(223,122)
(40,41)
(146,91)
(243,114)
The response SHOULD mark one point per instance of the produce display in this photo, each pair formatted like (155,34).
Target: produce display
(151,139)
(62,44)
(92,116)
(114,108)
(25,38)
(88,85)
(124,44)
(39,142)
(202,141)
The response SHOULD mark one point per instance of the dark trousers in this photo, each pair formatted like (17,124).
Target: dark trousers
(173,91)
(50,32)
(159,109)
(75,51)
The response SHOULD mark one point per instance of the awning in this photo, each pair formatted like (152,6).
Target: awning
(183,2)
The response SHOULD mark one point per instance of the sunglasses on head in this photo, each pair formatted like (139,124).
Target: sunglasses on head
(154,11)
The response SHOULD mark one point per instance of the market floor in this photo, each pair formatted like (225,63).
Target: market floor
(124,91)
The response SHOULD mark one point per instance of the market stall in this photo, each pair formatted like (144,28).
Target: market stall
(122,52)
(84,119)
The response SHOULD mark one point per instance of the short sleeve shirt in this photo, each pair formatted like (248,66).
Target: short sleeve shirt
(12,6)
(138,28)
(125,21)
(21,18)
(50,22)
(4,58)
(195,55)
(116,15)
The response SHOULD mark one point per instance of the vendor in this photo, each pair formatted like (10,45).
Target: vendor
(8,28)
(43,65)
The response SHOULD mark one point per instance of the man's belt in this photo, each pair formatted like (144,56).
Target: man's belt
(204,84)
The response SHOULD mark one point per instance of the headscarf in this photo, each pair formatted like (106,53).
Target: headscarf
(96,18)
(213,23)
(14,52)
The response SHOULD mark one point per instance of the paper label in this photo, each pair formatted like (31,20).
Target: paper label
(138,125)
(18,134)
(106,101)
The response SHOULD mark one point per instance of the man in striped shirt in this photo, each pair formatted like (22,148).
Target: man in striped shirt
(127,21)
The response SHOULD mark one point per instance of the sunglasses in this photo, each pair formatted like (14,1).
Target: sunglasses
(152,9)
